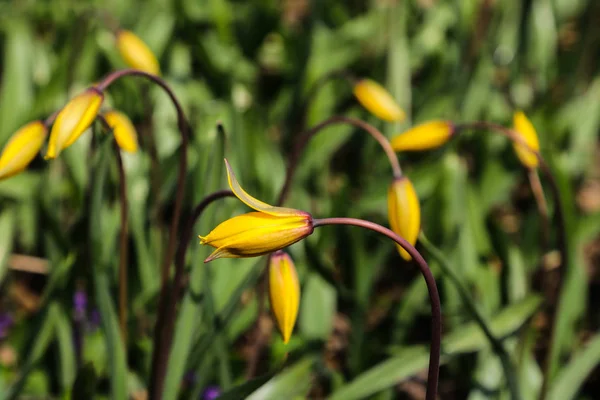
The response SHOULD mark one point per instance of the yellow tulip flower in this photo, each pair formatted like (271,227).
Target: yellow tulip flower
(136,53)
(526,130)
(22,148)
(73,120)
(123,129)
(404,212)
(377,100)
(284,292)
(426,136)
(253,234)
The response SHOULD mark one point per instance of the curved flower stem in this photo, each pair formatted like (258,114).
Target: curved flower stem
(561,233)
(184,129)
(307,135)
(463,292)
(157,373)
(165,321)
(123,248)
(434,297)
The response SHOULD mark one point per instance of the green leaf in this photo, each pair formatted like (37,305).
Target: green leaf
(103,295)
(7,227)
(569,380)
(293,382)
(318,308)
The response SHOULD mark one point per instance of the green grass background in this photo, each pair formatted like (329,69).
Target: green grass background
(363,328)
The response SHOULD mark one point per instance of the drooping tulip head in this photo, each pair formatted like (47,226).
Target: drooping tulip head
(404,212)
(123,130)
(377,100)
(526,130)
(426,136)
(136,53)
(22,148)
(264,231)
(284,292)
(73,120)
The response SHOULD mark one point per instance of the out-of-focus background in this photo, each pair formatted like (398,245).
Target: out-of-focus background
(363,326)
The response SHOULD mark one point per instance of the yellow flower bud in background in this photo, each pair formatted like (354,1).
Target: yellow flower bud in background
(22,148)
(136,53)
(284,293)
(404,212)
(526,130)
(253,234)
(123,129)
(377,100)
(73,120)
(426,136)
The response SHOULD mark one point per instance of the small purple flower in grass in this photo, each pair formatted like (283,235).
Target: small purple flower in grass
(6,322)
(211,393)
(80,302)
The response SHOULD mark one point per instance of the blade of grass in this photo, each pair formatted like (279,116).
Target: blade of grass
(103,296)
(42,337)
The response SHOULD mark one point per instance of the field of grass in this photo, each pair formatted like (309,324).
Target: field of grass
(103,290)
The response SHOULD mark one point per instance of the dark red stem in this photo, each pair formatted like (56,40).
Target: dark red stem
(434,297)
(160,347)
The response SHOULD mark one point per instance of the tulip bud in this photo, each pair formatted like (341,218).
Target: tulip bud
(22,148)
(264,231)
(136,53)
(284,292)
(377,100)
(526,130)
(73,120)
(123,129)
(426,136)
(404,212)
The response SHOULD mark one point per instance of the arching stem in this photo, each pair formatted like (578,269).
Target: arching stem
(434,297)
(306,136)
(463,292)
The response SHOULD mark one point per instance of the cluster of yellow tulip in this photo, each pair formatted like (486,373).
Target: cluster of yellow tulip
(268,228)
(77,116)
(271,228)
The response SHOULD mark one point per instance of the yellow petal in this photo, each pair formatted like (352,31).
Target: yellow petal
(284,293)
(404,212)
(428,135)
(123,129)
(73,120)
(377,100)
(255,203)
(254,234)
(136,53)
(22,148)
(525,128)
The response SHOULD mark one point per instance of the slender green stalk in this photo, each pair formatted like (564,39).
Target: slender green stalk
(497,346)
(167,310)
(123,248)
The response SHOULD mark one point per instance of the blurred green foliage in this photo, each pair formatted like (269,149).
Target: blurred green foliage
(363,328)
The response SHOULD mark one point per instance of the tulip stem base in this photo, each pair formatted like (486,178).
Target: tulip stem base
(434,297)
